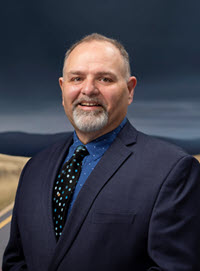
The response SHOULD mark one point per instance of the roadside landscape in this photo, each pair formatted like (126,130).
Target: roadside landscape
(10,169)
(198,157)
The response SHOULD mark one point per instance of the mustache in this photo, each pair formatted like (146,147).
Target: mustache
(87,99)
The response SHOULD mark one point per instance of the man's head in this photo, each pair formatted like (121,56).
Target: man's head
(115,43)
(96,86)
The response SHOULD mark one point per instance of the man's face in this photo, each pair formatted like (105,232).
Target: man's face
(94,89)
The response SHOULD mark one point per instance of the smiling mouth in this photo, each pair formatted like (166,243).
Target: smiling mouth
(89,104)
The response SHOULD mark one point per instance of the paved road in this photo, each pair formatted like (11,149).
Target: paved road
(4,230)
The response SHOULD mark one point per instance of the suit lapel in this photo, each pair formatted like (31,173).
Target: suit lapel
(53,167)
(108,165)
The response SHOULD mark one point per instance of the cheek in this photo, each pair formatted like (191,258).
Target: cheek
(115,98)
(70,94)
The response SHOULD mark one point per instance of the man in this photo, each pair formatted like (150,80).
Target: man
(135,204)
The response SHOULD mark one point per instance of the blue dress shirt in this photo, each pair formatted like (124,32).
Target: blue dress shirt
(96,149)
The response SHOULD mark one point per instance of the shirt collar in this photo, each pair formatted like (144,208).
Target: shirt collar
(98,146)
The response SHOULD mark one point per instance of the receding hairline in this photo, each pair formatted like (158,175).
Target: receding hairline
(100,38)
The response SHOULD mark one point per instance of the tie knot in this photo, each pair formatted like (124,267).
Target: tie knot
(80,152)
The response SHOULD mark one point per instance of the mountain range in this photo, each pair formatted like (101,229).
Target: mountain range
(28,144)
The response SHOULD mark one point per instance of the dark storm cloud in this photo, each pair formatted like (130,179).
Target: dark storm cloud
(161,37)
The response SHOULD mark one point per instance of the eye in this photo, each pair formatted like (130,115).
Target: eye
(106,79)
(76,79)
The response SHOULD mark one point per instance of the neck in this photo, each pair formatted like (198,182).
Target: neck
(88,137)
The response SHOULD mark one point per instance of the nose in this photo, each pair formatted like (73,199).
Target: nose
(89,87)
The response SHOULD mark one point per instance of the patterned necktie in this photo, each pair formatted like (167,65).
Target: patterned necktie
(64,188)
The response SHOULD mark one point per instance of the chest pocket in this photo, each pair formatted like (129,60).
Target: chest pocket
(112,218)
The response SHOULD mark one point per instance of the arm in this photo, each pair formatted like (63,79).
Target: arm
(13,256)
(174,230)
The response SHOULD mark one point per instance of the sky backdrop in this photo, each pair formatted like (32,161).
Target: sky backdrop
(162,38)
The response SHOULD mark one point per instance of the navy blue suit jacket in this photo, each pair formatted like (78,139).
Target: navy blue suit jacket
(139,210)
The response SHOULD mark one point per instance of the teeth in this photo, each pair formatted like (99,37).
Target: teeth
(89,104)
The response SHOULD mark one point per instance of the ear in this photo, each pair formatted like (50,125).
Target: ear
(132,82)
(61,81)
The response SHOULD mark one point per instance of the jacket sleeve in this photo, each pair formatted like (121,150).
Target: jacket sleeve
(174,230)
(13,259)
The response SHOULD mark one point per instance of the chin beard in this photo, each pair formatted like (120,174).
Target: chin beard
(90,121)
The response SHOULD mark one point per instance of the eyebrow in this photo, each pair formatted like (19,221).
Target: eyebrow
(75,72)
(103,73)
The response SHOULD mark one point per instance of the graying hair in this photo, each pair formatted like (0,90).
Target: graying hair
(99,37)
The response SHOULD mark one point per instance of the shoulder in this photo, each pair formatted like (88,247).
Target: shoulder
(152,152)
(159,146)
(168,153)
(132,137)
(52,152)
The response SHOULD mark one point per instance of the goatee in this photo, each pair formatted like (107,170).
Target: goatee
(90,121)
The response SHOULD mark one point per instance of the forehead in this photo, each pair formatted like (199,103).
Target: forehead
(94,55)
